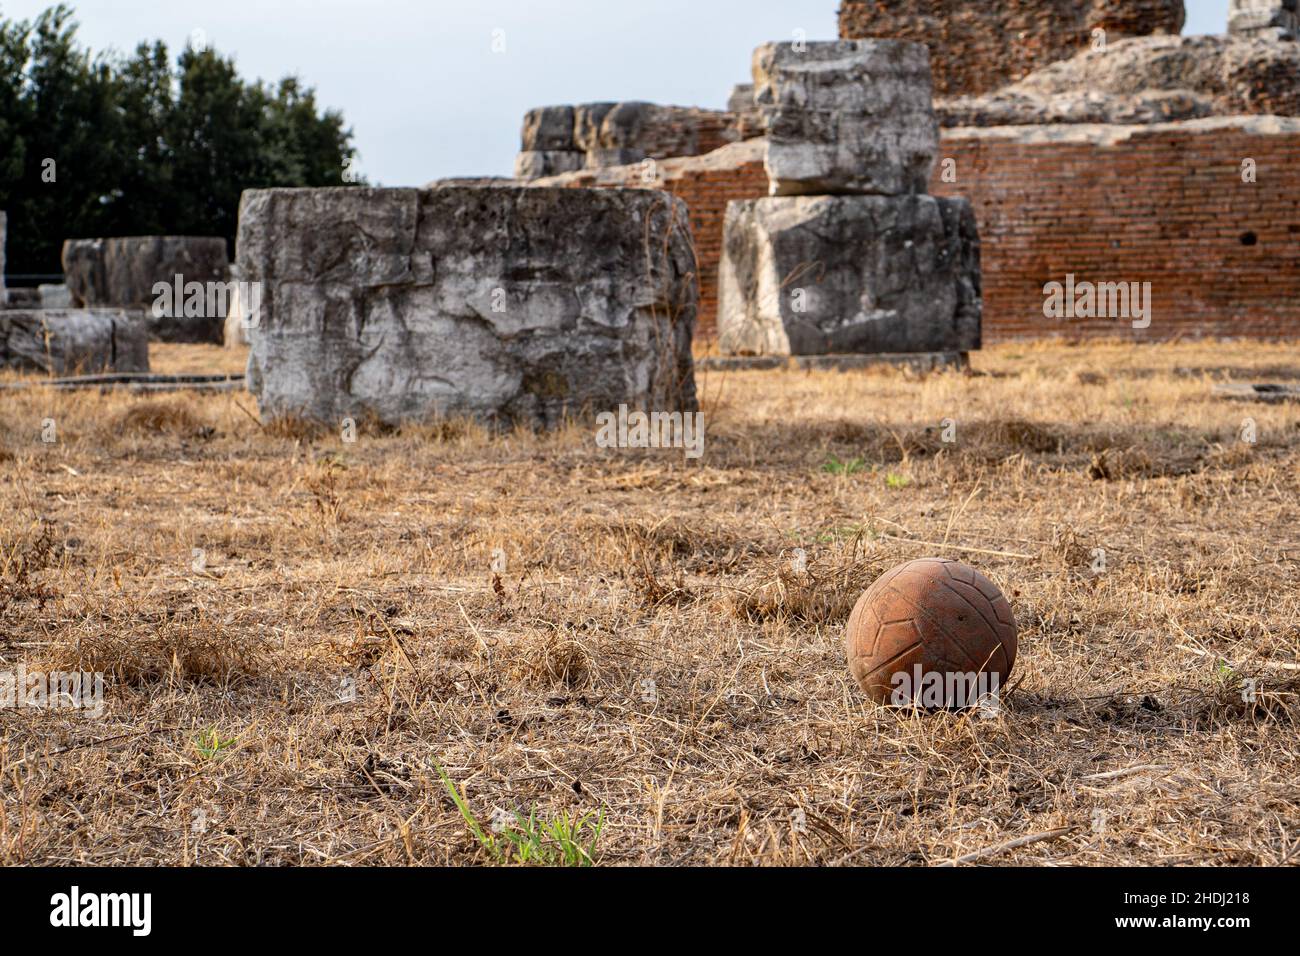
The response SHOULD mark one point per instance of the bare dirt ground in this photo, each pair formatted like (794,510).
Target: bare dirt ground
(296,632)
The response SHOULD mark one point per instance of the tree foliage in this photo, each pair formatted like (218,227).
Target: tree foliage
(106,145)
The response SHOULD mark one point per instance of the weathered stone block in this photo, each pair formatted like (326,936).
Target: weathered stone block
(514,305)
(71,341)
(535,164)
(54,296)
(818,275)
(548,129)
(123,272)
(852,116)
(1272,19)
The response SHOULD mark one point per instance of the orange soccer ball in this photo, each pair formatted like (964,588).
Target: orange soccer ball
(932,633)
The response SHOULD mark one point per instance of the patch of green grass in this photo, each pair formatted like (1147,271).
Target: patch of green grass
(896,481)
(834,466)
(211,745)
(556,842)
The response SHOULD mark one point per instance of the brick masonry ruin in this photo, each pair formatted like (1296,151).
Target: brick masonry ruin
(981,47)
(1205,206)
(1165,204)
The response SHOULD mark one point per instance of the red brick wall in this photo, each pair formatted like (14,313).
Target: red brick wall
(1164,205)
(977,47)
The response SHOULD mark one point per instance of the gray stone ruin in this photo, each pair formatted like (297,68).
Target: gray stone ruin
(848,255)
(1270,19)
(53,339)
(75,341)
(562,139)
(853,116)
(832,275)
(513,305)
(548,147)
(123,273)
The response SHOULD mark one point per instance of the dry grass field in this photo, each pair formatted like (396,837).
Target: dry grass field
(297,633)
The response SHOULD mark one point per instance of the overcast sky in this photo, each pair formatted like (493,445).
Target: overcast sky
(419,81)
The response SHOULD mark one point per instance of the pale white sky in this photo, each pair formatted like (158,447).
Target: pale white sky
(424,92)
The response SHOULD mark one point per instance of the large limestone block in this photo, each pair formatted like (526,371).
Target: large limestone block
(73,341)
(850,116)
(818,275)
(513,305)
(123,272)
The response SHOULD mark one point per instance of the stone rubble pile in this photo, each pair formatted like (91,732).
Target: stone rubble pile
(848,255)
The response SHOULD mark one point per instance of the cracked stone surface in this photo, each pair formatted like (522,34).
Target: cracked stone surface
(72,341)
(512,305)
(819,275)
(850,116)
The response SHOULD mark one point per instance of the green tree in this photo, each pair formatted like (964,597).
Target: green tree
(144,201)
(140,147)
